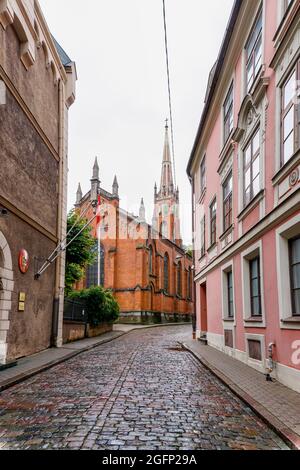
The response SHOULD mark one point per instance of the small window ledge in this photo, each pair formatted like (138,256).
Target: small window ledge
(211,247)
(226,233)
(228,147)
(229,320)
(286,168)
(254,320)
(295,319)
(252,205)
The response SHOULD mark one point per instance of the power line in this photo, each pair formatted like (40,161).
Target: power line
(169,89)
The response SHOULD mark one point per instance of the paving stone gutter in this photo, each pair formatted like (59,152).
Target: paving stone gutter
(288,435)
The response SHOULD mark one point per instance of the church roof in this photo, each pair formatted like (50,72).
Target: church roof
(65,59)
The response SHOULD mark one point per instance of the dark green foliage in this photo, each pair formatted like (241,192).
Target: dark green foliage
(100,304)
(79,253)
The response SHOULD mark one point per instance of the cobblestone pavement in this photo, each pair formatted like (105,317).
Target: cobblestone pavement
(137,392)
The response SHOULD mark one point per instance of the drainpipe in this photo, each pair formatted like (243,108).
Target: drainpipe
(194,318)
(270,362)
(57,304)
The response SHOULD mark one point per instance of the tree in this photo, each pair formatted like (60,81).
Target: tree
(79,253)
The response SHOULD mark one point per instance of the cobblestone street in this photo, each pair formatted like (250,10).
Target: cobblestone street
(137,392)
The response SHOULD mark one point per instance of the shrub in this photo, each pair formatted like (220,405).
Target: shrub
(100,304)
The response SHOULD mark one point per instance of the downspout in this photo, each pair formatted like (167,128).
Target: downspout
(56,341)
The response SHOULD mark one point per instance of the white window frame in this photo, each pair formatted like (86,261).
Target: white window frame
(246,256)
(261,7)
(227,321)
(283,234)
(231,83)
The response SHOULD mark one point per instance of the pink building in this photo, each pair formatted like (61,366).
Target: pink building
(245,173)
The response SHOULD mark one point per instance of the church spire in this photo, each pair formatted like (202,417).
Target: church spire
(166,200)
(115,187)
(95,182)
(78,195)
(142,213)
(166,182)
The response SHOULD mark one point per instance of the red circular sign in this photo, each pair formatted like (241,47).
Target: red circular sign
(23,261)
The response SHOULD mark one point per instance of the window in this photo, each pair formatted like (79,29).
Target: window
(202,230)
(294,249)
(255,289)
(150,260)
(213,223)
(230,308)
(203,175)
(228,114)
(254,52)
(252,169)
(290,116)
(179,280)
(92,270)
(227,203)
(166,273)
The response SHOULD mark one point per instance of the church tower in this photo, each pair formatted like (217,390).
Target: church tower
(166,200)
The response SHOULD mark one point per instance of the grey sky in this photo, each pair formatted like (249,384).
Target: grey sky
(122,100)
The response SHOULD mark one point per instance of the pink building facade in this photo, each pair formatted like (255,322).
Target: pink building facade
(245,174)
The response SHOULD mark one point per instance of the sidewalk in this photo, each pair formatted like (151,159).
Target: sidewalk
(29,366)
(276,404)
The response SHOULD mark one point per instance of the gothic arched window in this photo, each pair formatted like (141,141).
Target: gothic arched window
(150,260)
(166,273)
(179,279)
(92,269)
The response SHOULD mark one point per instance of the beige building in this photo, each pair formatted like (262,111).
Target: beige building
(37,87)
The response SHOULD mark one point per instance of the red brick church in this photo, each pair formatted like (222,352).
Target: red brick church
(145,266)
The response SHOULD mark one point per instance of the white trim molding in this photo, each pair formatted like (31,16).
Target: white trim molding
(225,269)
(283,234)
(246,256)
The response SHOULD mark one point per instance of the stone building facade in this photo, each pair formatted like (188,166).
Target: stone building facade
(245,172)
(148,272)
(37,87)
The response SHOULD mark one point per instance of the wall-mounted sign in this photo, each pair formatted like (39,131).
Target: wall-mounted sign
(21,306)
(22,297)
(23,261)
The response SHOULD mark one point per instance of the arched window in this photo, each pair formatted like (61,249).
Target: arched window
(166,273)
(92,270)
(150,260)
(179,279)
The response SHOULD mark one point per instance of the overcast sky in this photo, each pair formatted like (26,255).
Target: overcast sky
(122,101)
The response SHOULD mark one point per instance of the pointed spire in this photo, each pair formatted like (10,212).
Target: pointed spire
(115,187)
(166,183)
(95,182)
(78,195)
(142,214)
(96,169)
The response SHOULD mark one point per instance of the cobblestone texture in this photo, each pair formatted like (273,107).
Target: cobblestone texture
(137,392)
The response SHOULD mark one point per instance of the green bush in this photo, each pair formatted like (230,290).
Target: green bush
(100,304)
